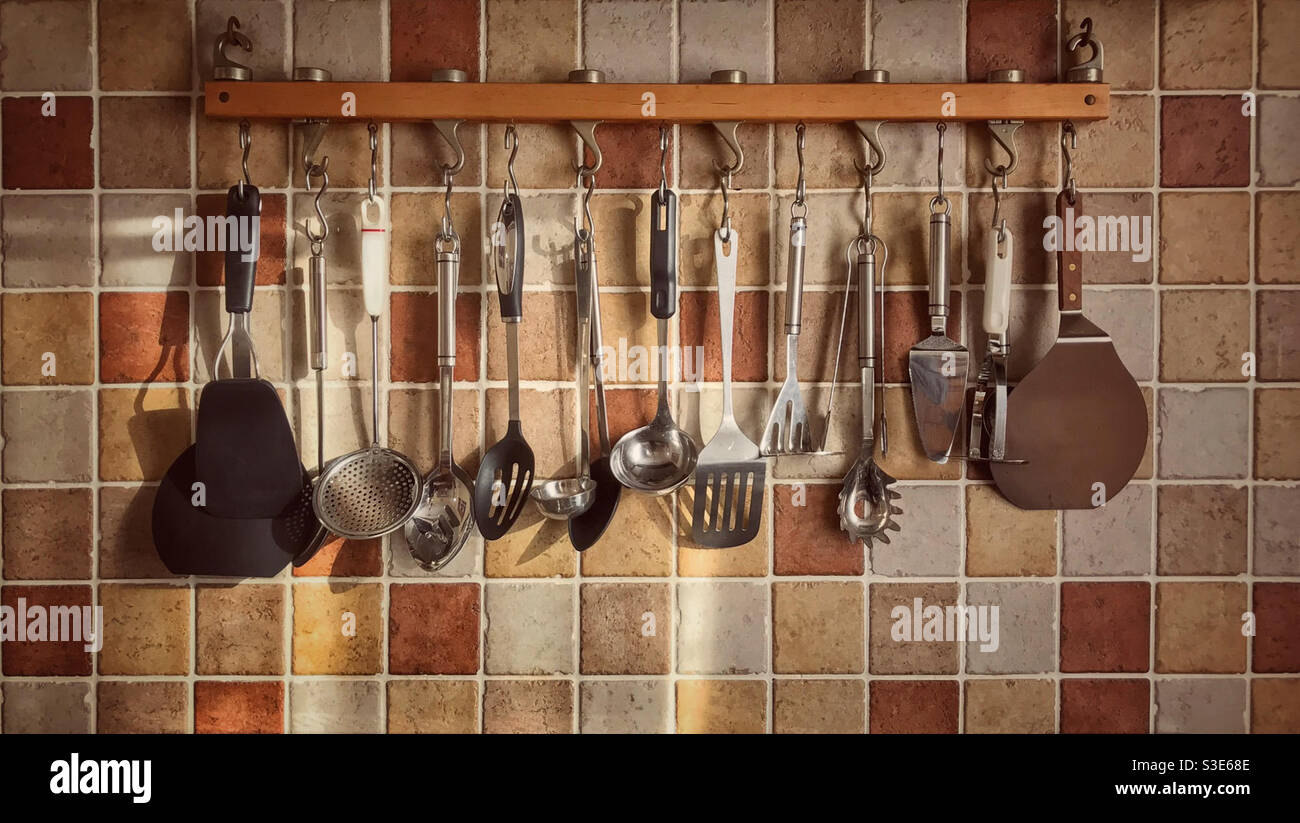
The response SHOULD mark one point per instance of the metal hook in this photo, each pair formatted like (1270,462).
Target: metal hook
(317,239)
(999,223)
(1086,38)
(870,131)
(448,231)
(447,128)
(1068,129)
(373,186)
(586,201)
(801,188)
(663,163)
(586,129)
(245,144)
(223,68)
(728,131)
(724,180)
(512,143)
(939,197)
(1004,134)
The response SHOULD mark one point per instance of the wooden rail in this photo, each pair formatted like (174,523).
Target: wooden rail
(641,102)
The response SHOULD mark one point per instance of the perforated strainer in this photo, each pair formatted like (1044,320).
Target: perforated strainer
(373,491)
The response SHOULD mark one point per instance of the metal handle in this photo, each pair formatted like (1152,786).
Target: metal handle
(598,357)
(316,275)
(940,233)
(867,308)
(448,273)
(663,254)
(584,415)
(794,275)
(725,265)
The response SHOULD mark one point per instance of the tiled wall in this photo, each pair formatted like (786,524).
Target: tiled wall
(1123,619)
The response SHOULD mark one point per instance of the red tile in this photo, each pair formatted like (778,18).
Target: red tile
(808,539)
(698,319)
(907,322)
(1012,34)
(631,156)
(1204,141)
(144,337)
(47,152)
(433,628)
(1105,627)
(210,266)
(1105,706)
(433,34)
(223,707)
(415,337)
(1277,618)
(913,706)
(42,658)
(341,557)
(626,409)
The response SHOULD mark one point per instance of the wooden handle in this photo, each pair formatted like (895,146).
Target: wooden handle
(1069,260)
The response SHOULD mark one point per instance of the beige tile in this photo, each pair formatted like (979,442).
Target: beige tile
(141,431)
(1038,146)
(415,221)
(1129,29)
(338,628)
(146,630)
(829,153)
(901,219)
(721,706)
(420,153)
(1199,234)
(817,628)
(1205,44)
(413,425)
(534,547)
(699,216)
(433,707)
(550,426)
(1118,151)
(1004,541)
(530,42)
(528,707)
(626,628)
(1277,452)
(48,339)
(638,542)
(548,337)
(819,706)
(819,42)
(240,629)
(908,654)
(1277,214)
(150,57)
(906,460)
(1198,627)
(1279,26)
(1010,707)
(1203,335)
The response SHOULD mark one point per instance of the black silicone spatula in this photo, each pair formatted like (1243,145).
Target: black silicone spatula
(244,452)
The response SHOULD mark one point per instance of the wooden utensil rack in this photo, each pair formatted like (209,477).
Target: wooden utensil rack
(656,102)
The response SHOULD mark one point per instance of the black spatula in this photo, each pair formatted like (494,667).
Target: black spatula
(244,449)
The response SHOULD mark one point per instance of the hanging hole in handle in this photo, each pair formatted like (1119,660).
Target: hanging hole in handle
(224,97)
(1089,99)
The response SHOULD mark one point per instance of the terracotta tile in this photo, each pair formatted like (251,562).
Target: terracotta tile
(698,326)
(1277,608)
(528,707)
(819,707)
(335,707)
(419,153)
(28,417)
(1205,45)
(929,546)
(1202,530)
(414,337)
(1019,34)
(227,707)
(126,547)
(46,46)
(722,628)
(48,339)
(153,57)
(632,42)
(739,30)
(1105,627)
(1204,141)
(895,648)
(1278,335)
(535,547)
(1203,335)
(156,707)
(1105,706)
(144,337)
(126,240)
(528,628)
(433,707)
(337,628)
(339,36)
(1023,641)
(699,216)
(146,629)
(240,629)
(1010,707)
(817,628)
(1203,432)
(1277,413)
(264,22)
(917,41)
(1275,705)
(35,658)
(47,152)
(1128,27)
(47,708)
(451,28)
(1195,229)
(626,628)
(702,145)
(808,539)
(818,43)
(414,258)
(1279,23)
(1277,520)
(1200,706)
(433,628)
(341,557)
(141,431)
(631,155)
(530,42)
(1120,150)
(1198,627)
(914,707)
(48,534)
(210,266)
(721,706)
(638,542)
(624,706)
(1002,540)
(47,239)
(130,130)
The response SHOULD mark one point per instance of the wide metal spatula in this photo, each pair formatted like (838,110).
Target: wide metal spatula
(730,474)
(1078,418)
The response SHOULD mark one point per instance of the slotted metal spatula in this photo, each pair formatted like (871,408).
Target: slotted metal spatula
(730,475)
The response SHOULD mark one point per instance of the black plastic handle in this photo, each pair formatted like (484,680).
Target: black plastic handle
(663,254)
(512,302)
(243,232)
